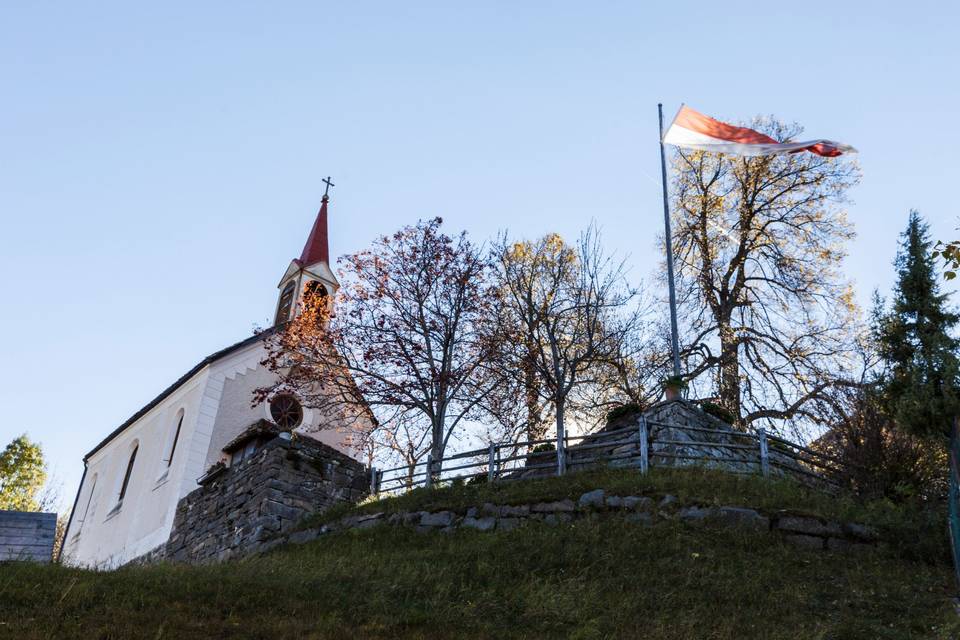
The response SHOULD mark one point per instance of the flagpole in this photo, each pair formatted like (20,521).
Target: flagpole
(668,242)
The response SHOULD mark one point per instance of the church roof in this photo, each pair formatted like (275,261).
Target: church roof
(213,357)
(317,248)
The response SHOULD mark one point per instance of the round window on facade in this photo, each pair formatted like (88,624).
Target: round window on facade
(286,411)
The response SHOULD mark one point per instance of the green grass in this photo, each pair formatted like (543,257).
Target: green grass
(599,577)
(916,530)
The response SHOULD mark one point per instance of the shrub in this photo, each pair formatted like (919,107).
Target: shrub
(881,460)
(717,411)
(480,478)
(623,410)
(543,448)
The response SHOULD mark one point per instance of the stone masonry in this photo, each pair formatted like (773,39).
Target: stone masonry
(238,508)
(672,443)
(805,530)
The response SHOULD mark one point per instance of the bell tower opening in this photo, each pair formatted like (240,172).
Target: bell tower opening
(308,276)
(285,304)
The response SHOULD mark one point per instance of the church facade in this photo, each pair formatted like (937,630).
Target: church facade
(135,477)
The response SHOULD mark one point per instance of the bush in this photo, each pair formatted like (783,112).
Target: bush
(717,411)
(623,410)
(881,460)
(544,448)
(480,478)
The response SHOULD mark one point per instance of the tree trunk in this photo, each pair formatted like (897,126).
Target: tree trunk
(532,398)
(729,383)
(561,439)
(411,471)
(436,449)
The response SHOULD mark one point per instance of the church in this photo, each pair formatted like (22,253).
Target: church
(135,477)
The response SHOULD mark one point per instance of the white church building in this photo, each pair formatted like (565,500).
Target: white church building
(134,478)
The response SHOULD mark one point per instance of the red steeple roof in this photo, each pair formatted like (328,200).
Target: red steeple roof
(317,249)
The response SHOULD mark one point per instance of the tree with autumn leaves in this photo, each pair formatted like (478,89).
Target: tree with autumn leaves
(23,472)
(430,334)
(759,242)
(564,315)
(434,340)
(404,341)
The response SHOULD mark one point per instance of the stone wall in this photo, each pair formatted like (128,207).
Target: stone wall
(27,536)
(236,511)
(674,427)
(805,530)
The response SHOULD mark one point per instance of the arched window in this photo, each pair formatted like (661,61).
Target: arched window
(315,294)
(314,289)
(286,303)
(86,507)
(126,475)
(176,436)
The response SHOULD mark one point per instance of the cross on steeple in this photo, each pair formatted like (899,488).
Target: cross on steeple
(327,189)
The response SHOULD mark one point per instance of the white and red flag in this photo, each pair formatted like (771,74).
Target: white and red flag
(693,130)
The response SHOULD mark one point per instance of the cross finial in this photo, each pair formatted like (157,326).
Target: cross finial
(329,184)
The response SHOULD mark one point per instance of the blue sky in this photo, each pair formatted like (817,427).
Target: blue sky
(160,164)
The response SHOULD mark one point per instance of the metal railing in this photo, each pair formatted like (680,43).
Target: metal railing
(953,517)
(759,453)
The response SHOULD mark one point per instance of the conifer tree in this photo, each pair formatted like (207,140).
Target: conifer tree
(920,379)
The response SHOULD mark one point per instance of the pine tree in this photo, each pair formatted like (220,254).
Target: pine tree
(920,379)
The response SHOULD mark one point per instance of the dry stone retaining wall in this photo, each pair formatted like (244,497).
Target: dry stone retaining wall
(249,504)
(803,530)
(680,435)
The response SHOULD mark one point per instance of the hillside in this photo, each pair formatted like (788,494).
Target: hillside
(599,576)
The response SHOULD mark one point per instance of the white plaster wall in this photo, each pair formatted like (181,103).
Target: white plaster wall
(241,376)
(217,407)
(103,536)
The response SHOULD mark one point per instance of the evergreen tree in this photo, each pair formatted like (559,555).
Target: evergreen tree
(920,379)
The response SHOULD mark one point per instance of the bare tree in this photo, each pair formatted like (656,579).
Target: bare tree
(402,340)
(759,242)
(635,373)
(407,439)
(569,306)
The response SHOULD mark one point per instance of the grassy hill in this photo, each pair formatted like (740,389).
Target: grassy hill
(593,578)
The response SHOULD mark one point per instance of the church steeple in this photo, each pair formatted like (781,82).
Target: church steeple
(317,248)
(310,274)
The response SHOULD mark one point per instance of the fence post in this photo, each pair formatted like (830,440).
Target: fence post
(492,463)
(374,481)
(644,445)
(561,456)
(429,480)
(764,452)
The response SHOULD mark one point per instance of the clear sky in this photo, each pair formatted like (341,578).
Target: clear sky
(160,163)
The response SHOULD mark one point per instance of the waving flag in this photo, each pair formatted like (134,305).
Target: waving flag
(693,130)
